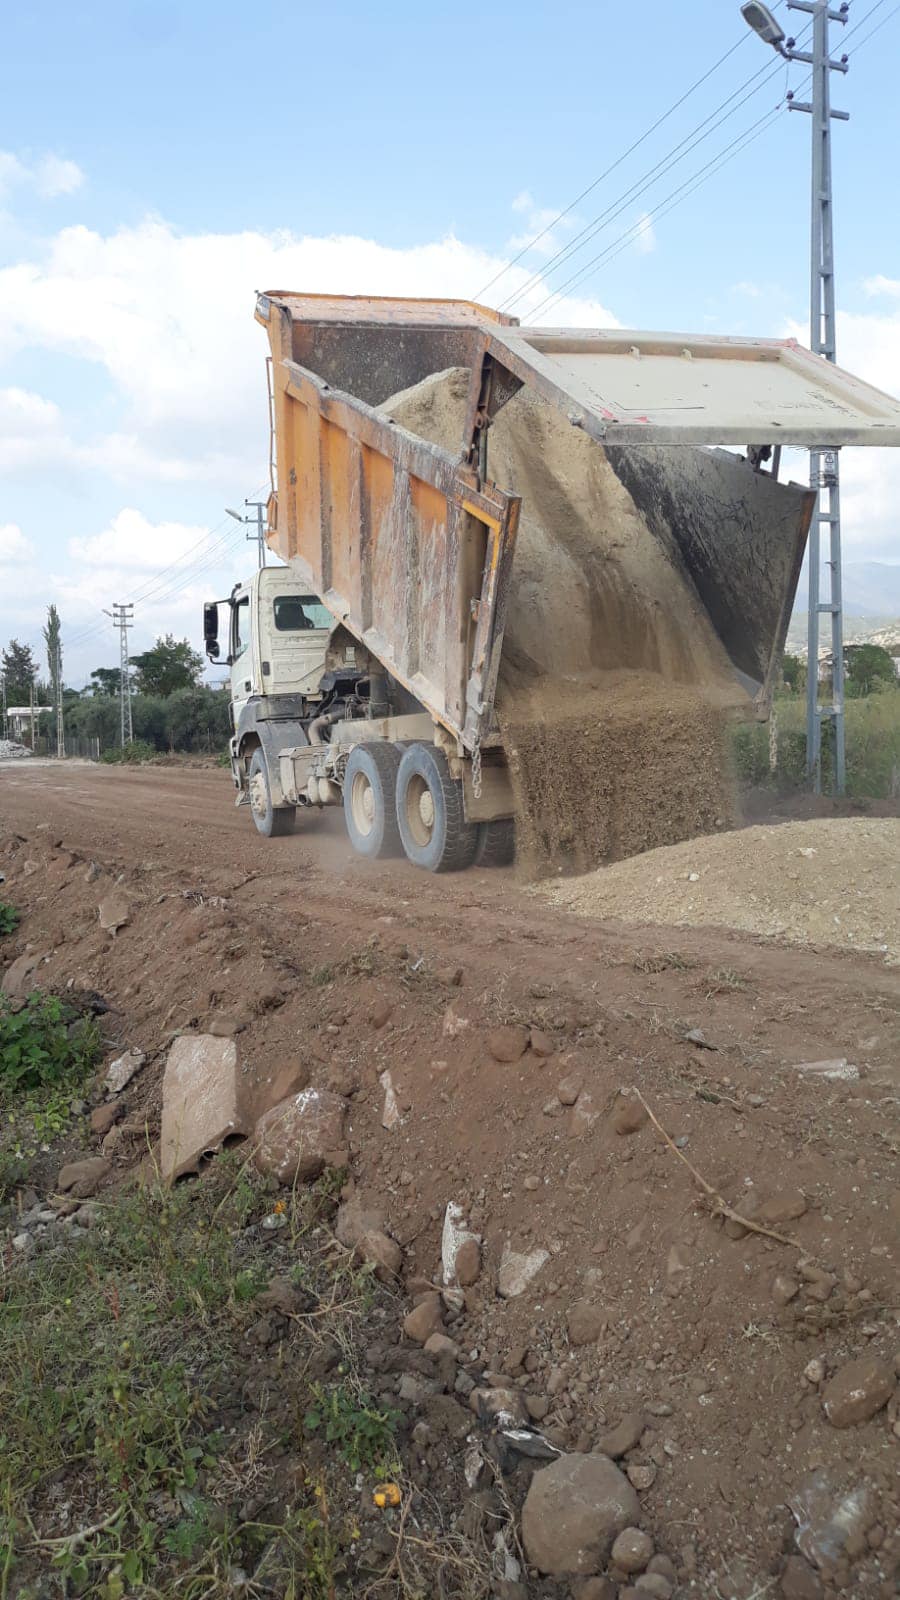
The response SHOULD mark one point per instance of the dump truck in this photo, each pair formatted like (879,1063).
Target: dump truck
(364,670)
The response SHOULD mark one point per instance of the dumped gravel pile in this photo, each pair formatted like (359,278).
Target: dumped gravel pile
(10,751)
(613,684)
(830,881)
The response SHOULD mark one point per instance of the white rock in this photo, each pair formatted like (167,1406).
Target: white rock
(390,1116)
(839,1070)
(517,1271)
(455,1234)
(121,1071)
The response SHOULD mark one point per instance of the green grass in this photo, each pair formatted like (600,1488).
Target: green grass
(46,1045)
(130,754)
(872,735)
(9,919)
(123,1363)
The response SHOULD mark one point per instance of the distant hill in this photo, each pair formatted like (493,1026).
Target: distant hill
(871,589)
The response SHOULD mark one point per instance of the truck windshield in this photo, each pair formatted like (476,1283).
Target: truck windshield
(295,611)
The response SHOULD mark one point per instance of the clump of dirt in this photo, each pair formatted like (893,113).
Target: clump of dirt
(613,685)
(830,881)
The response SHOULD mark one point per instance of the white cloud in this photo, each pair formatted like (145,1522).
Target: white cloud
(880,285)
(131,541)
(48,175)
(645,239)
(13,544)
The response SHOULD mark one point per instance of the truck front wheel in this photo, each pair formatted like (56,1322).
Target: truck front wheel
(370,807)
(433,826)
(270,821)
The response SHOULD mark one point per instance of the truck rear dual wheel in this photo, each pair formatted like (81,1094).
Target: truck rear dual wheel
(433,827)
(271,821)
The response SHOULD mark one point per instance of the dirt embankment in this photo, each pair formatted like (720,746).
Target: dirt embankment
(698,1355)
(613,685)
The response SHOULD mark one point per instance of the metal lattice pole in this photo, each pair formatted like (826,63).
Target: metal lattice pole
(824,472)
(123,619)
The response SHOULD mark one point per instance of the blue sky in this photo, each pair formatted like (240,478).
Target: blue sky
(163,161)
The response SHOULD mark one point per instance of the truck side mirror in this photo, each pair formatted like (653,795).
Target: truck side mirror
(211,629)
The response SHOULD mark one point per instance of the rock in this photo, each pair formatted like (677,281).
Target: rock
(502,1408)
(391,1114)
(382,1252)
(455,1234)
(298,1139)
(518,1270)
(380,1012)
(568,1089)
(784,1289)
(425,1319)
(453,1024)
(281,1296)
(103,1117)
(814,1371)
(632,1550)
(23,1243)
(438,1344)
(114,912)
(786,1205)
(17,978)
(508,1044)
(582,1116)
(585,1322)
(468,1263)
(642,1474)
(29,868)
(573,1511)
(537,1406)
(857,1391)
(838,1070)
(199,1101)
(354,1219)
(628,1115)
(655,1584)
(664,1567)
(541,1043)
(120,1072)
(616,1441)
(93,872)
(799,1581)
(225,1024)
(82,1178)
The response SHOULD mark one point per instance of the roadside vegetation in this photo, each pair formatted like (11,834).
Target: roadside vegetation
(871,728)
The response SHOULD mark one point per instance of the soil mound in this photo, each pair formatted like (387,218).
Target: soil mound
(613,685)
(830,881)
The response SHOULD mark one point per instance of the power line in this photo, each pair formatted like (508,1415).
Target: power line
(612,168)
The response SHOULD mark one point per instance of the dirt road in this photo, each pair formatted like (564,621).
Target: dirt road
(342,970)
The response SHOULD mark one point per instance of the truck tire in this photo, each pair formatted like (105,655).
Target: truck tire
(433,826)
(496,845)
(271,821)
(370,805)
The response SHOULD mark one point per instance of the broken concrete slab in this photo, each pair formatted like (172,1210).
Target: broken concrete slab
(200,1101)
(298,1139)
(517,1271)
(114,911)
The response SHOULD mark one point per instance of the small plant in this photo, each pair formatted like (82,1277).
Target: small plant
(9,919)
(349,1419)
(130,754)
(46,1045)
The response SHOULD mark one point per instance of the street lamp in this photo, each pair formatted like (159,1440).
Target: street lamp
(257,522)
(823,462)
(760,19)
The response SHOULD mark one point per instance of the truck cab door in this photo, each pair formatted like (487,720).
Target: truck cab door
(241,653)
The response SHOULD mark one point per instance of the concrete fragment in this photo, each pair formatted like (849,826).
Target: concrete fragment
(454,1236)
(857,1391)
(199,1101)
(839,1070)
(390,1115)
(17,978)
(114,912)
(517,1271)
(573,1511)
(82,1178)
(298,1139)
(121,1071)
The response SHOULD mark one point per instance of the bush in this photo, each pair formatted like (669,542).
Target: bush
(872,736)
(9,919)
(130,754)
(47,1044)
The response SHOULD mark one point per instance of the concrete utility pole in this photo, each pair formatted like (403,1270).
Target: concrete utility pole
(123,619)
(824,472)
(257,522)
(60,730)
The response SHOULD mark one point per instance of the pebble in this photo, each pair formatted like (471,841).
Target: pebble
(508,1044)
(784,1289)
(632,1550)
(617,1441)
(468,1263)
(425,1319)
(814,1371)
(799,1581)
(654,1583)
(641,1474)
(585,1322)
(541,1044)
(857,1391)
(568,1090)
(628,1115)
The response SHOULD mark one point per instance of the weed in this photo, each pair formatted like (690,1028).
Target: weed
(722,981)
(45,1045)
(130,754)
(9,919)
(669,960)
(348,1418)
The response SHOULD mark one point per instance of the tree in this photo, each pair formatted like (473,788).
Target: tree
(793,671)
(52,633)
(19,672)
(169,666)
(868,668)
(106,680)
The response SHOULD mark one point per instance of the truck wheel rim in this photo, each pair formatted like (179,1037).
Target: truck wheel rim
(420,810)
(362,804)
